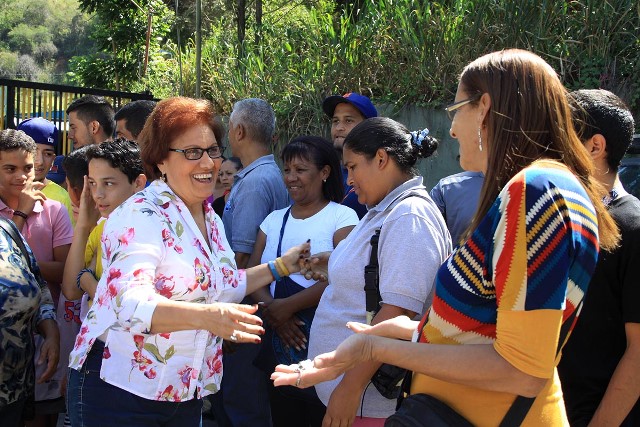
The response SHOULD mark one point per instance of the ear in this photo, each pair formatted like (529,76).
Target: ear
(94,126)
(140,182)
(381,158)
(485,105)
(325,172)
(239,131)
(597,147)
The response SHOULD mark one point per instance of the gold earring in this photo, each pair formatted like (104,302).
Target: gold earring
(479,140)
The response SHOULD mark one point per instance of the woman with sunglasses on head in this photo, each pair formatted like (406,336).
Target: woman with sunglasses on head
(493,332)
(151,345)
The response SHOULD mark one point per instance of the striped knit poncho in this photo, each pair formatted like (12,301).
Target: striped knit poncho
(511,284)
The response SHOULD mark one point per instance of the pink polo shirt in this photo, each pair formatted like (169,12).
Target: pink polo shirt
(47,227)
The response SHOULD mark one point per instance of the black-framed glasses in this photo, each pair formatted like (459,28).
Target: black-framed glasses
(451,108)
(214,152)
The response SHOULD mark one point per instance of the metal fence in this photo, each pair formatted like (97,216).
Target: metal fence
(20,100)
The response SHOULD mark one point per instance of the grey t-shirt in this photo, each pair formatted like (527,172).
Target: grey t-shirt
(257,191)
(414,242)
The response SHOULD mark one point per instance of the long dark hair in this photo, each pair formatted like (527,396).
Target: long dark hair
(321,153)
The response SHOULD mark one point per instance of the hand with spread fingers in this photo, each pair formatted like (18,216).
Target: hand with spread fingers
(291,334)
(355,349)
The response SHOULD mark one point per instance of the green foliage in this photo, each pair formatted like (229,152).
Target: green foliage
(403,51)
(120,36)
(409,51)
(45,33)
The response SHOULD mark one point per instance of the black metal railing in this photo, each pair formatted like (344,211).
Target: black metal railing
(20,100)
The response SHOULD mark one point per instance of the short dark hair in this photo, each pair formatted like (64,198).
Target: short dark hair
(235,160)
(92,107)
(11,139)
(598,111)
(171,118)
(368,136)
(121,154)
(76,166)
(321,153)
(135,113)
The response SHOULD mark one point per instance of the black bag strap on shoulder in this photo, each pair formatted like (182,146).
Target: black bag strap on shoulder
(10,228)
(371,270)
(372,279)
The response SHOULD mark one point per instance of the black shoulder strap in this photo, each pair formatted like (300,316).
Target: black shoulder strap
(372,279)
(520,407)
(371,270)
(10,228)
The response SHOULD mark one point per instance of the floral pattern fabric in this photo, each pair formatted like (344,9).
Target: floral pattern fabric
(25,300)
(153,250)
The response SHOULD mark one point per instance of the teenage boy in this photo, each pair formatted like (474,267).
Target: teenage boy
(130,118)
(115,174)
(90,120)
(46,226)
(346,112)
(600,365)
(45,135)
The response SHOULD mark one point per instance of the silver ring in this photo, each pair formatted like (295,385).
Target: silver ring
(299,378)
(301,367)
(233,336)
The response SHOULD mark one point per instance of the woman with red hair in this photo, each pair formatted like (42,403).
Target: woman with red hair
(152,341)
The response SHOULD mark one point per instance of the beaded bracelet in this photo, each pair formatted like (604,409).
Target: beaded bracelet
(80,273)
(283,268)
(21,214)
(274,270)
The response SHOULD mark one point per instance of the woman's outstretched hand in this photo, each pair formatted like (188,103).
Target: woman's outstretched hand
(400,327)
(327,366)
(316,266)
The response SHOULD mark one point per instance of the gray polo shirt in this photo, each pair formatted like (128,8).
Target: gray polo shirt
(414,242)
(257,191)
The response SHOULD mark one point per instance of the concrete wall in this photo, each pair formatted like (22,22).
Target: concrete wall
(444,162)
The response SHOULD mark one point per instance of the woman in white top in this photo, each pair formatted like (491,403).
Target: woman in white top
(151,345)
(312,176)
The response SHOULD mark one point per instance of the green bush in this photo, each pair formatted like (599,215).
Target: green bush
(406,51)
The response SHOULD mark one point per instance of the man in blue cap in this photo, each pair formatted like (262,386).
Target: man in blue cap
(57,173)
(346,112)
(45,135)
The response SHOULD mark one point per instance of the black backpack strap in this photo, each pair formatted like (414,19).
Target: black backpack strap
(371,270)
(372,279)
(520,407)
(10,228)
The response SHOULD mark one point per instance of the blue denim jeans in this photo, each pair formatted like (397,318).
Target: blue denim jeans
(95,403)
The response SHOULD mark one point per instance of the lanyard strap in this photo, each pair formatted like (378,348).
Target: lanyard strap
(284,222)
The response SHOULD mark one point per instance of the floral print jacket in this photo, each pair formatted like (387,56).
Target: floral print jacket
(25,300)
(152,250)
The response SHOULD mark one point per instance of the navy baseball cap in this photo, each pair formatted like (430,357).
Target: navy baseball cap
(41,130)
(361,102)
(57,173)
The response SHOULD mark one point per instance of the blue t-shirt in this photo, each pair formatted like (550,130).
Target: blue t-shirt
(257,191)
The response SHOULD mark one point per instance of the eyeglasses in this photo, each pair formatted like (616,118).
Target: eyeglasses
(451,108)
(214,152)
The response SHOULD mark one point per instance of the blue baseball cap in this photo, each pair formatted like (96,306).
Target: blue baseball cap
(41,130)
(361,102)
(57,173)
